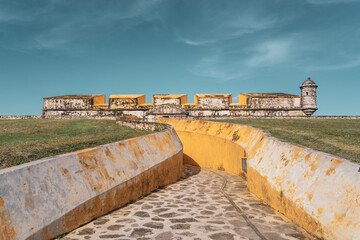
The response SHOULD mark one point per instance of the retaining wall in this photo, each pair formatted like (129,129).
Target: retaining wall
(13,117)
(48,197)
(317,191)
(136,124)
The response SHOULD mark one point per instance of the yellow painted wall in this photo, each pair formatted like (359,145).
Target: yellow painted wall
(317,191)
(184,99)
(242,99)
(85,184)
(211,152)
(141,100)
(99,100)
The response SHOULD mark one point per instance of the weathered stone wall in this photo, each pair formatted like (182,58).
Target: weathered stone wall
(138,113)
(207,113)
(13,117)
(67,103)
(277,103)
(166,110)
(199,113)
(317,191)
(116,103)
(126,101)
(214,103)
(48,197)
(268,113)
(136,124)
(162,101)
(73,114)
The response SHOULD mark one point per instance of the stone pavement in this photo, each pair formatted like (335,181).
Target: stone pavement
(194,208)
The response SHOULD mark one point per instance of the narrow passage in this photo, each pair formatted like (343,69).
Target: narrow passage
(205,204)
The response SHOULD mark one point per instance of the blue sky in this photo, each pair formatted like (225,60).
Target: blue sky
(59,47)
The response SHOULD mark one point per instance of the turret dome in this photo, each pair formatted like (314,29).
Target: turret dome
(308,82)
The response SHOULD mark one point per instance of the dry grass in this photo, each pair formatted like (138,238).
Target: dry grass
(27,140)
(340,137)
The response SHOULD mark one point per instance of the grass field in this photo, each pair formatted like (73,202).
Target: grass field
(340,137)
(27,140)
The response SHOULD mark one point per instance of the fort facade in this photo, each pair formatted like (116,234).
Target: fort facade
(177,106)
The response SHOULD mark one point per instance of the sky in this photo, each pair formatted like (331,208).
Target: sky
(60,47)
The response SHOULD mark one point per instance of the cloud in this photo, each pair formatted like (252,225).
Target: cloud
(217,68)
(56,25)
(223,23)
(193,42)
(330,1)
(332,67)
(227,65)
(270,53)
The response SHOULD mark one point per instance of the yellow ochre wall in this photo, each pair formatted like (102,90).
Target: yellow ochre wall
(100,99)
(315,190)
(205,151)
(184,99)
(55,195)
(242,99)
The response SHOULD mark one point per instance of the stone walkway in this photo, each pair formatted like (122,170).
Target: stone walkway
(194,208)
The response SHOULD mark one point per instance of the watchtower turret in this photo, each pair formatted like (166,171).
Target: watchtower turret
(308,97)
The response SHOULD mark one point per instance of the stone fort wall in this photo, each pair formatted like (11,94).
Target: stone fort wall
(205,105)
(177,106)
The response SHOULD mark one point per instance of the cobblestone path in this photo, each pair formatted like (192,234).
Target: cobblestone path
(194,208)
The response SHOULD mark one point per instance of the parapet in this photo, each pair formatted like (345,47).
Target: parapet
(73,102)
(161,99)
(46,198)
(213,100)
(126,101)
(315,190)
(270,100)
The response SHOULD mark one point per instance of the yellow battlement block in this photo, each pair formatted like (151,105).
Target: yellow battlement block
(126,101)
(177,99)
(213,100)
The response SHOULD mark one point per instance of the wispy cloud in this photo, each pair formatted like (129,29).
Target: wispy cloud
(270,53)
(218,69)
(330,1)
(224,23)
(195,43)
(67,22)
(222,66)
(333,67)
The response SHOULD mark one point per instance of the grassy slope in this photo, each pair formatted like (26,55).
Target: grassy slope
(340,137)
(31,139)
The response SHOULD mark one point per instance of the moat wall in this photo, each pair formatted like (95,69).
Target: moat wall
(317,191)
(48,197)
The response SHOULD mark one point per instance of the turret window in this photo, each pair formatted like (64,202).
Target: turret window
(307,93)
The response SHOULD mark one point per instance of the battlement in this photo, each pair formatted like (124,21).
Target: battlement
(73,102)
(176,105)
(177,99)
(125,101)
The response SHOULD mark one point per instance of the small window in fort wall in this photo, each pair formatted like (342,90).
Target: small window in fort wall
(307,93)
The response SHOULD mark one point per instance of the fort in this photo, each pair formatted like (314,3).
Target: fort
(177,106)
